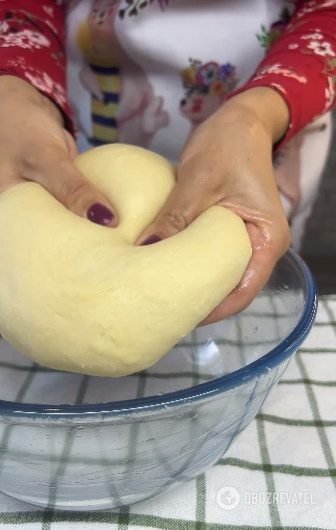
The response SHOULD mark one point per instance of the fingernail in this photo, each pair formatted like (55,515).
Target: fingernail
(151,240)
(99,214)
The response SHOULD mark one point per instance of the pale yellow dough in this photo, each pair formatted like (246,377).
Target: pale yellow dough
(80,297)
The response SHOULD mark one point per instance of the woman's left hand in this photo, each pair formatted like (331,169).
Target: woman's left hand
(228,162)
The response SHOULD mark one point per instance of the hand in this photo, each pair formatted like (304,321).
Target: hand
(34,146)
(228,162)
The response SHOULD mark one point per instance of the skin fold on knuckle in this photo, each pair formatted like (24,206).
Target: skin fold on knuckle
(244,303)
(282,239)
(72,191)
(286,242)
(174,221)
(28,162)
(9,179)
(33,160)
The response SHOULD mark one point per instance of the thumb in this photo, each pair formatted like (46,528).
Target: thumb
(184,205)
(67,184)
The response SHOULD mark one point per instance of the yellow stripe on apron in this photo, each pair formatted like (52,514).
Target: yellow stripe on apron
(104,124)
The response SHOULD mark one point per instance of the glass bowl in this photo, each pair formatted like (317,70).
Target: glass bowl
(75,442)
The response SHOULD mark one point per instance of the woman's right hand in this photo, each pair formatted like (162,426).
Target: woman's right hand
(35,146)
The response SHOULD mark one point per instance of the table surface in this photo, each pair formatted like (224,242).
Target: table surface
(279,474)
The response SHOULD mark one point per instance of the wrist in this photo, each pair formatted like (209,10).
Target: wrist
(265,106)
(14,90)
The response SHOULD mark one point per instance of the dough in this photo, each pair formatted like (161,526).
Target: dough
(80,297)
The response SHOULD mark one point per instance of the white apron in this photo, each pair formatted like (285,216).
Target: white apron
(147,73)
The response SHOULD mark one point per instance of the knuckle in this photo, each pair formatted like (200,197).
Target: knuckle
(33,163)
(28,162)
(176,219)
(288,241)
(245,304)
(286,238)
(281,235)
(71,190)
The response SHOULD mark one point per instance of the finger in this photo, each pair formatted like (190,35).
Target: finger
(9,175)
(263,260)
(67,184)
(243,295)
(70,145)
(188,199)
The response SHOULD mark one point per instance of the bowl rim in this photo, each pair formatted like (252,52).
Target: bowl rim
(190,395)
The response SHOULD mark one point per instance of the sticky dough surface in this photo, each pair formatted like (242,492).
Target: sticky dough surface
(81,297)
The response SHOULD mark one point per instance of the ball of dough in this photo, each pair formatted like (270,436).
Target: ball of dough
(81,297)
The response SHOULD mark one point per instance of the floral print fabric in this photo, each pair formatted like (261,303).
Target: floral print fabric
(32,40)
(300,61)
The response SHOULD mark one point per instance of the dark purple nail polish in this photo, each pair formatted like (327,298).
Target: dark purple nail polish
(99,214)
(151,240)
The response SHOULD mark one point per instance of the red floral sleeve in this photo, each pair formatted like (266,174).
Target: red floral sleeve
(301,64)
(32,42)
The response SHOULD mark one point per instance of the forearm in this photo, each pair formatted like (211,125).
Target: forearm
(265,106)
(14,90)
(300,66)
(32,42)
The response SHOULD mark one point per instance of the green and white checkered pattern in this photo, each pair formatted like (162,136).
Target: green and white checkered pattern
(288,450)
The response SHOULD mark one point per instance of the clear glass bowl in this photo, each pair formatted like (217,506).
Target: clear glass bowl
(74,442)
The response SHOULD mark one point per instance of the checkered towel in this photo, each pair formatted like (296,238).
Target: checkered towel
(279,474)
